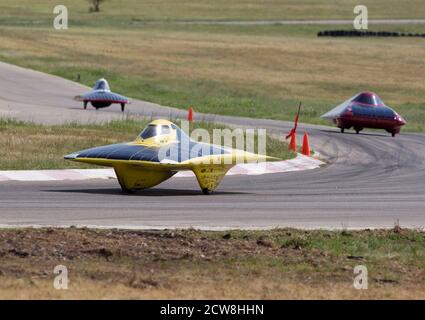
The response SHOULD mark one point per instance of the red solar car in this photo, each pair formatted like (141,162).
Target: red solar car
(365,110)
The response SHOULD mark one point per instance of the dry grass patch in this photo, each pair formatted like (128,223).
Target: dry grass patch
(193,264)
(256,71)
(128,12)
(257,75)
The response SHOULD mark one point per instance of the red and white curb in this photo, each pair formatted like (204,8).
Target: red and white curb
(299,163)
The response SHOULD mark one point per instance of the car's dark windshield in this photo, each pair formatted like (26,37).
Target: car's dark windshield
(101,84)
(149,132)
(369,98)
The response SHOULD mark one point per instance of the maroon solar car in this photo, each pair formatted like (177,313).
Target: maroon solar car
(365,110)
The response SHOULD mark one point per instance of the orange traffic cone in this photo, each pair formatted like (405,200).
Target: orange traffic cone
(293,142)
(306,146)
(190,114)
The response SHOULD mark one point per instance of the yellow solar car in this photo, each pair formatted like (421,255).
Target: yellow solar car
(160,151)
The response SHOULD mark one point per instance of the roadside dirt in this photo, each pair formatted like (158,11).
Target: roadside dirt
(189,264)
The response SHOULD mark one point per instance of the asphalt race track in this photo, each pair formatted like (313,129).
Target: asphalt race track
(372,180)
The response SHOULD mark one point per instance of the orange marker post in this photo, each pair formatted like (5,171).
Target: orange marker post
(293,142)
(190,114)
(306,146)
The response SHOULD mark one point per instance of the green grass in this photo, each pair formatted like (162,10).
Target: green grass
(28,146)
(372,247)
(255,71)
